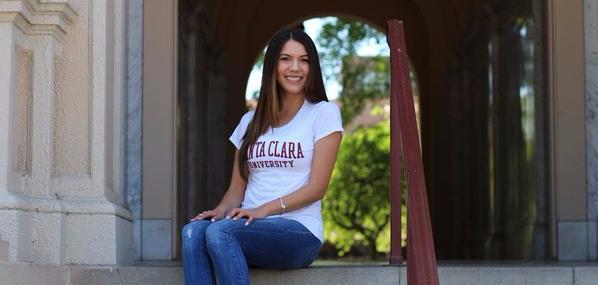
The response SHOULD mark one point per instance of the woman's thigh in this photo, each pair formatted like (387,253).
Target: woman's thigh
(273,243)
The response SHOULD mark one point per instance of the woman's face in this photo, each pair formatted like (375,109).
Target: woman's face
(292,69)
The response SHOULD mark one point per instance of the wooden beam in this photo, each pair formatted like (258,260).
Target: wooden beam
(421,257)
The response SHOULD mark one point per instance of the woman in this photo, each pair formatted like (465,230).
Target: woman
(270,215)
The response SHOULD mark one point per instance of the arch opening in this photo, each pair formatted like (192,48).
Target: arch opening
(483,110)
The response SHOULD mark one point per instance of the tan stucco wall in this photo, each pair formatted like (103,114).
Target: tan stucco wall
(567,108)
(158,108)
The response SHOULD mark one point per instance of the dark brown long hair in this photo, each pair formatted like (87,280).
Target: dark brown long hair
(268,104)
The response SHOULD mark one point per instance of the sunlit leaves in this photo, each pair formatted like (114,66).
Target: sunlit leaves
(356,207)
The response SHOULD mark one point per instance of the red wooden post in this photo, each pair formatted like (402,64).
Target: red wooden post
(396,256)
(421,257)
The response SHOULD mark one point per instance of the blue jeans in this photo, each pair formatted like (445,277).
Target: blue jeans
(228,247)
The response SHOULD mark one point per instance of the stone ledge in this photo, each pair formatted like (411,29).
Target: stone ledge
(324,275)
(27,273)
(462,274)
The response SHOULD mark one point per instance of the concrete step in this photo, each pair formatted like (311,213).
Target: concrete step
(450,274)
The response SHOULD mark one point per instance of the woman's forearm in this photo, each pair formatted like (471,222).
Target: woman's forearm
(236,190)
(232,199)
(301,198)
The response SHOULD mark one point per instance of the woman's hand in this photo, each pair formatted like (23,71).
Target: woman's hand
(251,214)
(215,214)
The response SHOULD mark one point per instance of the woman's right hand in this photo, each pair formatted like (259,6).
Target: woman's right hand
(213,215)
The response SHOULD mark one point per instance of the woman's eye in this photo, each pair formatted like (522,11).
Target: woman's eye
(305,60)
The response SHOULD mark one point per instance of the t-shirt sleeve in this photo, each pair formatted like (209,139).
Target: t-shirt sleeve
(328,121)
(237,137)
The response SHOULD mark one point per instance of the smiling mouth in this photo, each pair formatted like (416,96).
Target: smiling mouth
(293,78)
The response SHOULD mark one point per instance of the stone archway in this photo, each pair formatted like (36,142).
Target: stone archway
(222,42)
(216,47)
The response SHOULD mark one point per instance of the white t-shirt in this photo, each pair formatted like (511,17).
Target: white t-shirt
(280,161)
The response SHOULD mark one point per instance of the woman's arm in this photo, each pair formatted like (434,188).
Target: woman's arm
(232,198)
(325,152)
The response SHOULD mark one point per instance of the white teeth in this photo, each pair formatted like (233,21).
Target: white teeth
(293,78)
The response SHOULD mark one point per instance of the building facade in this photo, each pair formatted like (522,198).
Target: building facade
(114,119)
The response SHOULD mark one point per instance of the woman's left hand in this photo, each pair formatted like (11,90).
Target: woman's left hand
(251,214)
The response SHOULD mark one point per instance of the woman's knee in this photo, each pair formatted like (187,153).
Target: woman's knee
(195,230)
(219,230)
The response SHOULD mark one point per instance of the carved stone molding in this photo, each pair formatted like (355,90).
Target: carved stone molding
(38,17)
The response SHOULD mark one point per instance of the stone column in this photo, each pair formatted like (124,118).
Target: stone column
(591,60)
(31,220)
(60,159)
(134,118)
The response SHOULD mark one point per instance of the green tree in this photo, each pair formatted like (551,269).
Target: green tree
(356,207)
(363,79)
(339,38)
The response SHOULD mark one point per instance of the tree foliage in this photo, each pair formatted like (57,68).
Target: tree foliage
(362,78)
(340,37)
(356,206)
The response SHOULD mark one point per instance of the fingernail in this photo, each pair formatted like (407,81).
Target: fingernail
(227,217)
(246,223)
(213,219)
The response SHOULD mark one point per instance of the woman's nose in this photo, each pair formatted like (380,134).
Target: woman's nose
(295,65)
